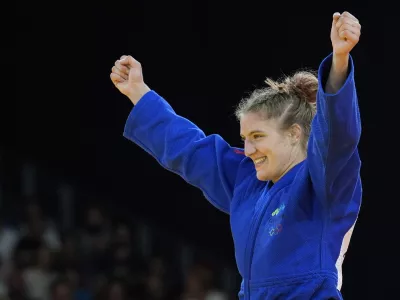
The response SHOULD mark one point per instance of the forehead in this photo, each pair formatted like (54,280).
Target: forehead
(251,122)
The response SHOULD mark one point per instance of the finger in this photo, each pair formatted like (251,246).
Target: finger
(346,14)
(122,68)
(115,78)
(347,21)
(349,36)
(336,16)
(119,72)
(115,70)
(352,29)
(129,61)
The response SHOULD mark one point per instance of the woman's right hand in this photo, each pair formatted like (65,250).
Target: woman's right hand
(127,76)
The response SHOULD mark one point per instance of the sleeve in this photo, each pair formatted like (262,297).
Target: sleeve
(332,156)
(206,162)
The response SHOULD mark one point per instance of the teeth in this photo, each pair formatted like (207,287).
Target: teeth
(260,160)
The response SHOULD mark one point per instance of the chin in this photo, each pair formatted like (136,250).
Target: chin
(262,176)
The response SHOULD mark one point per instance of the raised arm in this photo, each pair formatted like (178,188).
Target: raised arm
(207,162)
(332,150)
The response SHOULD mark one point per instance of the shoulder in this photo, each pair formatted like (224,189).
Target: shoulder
(246,178)
(246,169)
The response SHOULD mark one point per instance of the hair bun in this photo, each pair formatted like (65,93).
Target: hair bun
(279,87)
(303,85)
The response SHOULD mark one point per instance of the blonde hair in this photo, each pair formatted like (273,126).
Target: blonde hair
(291,100)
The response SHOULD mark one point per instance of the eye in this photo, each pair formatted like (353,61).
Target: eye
(257,136)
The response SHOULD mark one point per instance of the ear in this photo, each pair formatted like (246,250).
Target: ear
(295,133)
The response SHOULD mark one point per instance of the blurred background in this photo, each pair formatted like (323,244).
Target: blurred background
(86,214)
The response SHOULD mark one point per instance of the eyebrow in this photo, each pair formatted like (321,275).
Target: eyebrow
(253,132)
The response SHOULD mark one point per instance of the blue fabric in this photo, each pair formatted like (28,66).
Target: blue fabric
(287,236)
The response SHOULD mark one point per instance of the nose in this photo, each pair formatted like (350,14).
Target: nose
(249,148)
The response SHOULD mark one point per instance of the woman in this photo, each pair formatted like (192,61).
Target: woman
(295,194)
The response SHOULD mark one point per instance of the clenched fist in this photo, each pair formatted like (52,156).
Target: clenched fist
(126,74)
(345,33)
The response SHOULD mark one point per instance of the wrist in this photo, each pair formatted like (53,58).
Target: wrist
(338,72)
(340,62)
(139,92)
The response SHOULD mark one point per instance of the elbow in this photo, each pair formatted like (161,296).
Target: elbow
(346,142)
(354,132)
(346,131)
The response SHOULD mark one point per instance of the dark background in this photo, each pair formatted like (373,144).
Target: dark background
(203,57)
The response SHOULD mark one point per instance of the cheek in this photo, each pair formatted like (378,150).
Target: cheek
(278,151)
(268,152)
(284,152)
(266,148)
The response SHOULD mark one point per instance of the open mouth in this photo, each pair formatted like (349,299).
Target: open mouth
(260,161)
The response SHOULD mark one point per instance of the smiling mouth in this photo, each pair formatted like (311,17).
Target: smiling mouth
(259,161)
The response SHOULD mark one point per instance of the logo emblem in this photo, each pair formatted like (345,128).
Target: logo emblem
(275,226)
